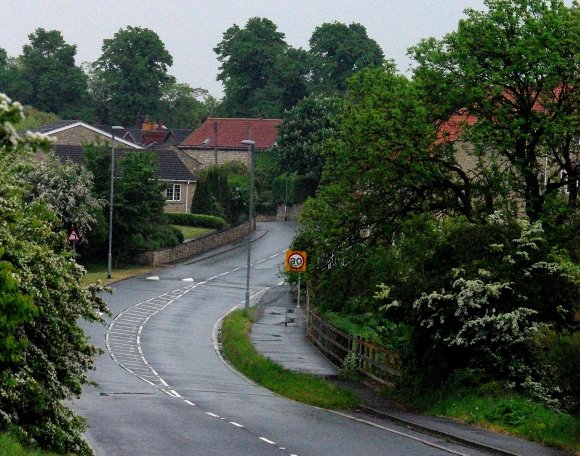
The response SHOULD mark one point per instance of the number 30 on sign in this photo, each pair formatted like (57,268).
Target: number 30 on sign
(295,261)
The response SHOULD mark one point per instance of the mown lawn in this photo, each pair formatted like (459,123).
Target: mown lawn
(191,232)
(98,271)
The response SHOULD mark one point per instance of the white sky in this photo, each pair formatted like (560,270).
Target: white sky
(191,29)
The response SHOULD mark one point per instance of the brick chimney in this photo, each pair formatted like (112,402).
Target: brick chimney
(152,132)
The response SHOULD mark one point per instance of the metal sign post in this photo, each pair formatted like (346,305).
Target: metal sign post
(295,262)
(73,238)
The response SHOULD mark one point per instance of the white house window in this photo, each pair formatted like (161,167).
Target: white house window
(173,192)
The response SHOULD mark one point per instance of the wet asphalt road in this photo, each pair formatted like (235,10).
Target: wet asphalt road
(163,389)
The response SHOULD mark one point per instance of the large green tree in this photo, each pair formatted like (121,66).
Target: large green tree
(53,81)
(300,138)
(184,106)
(53,366)
(515,69)
(138,219)
(261,74)
(338,51)
(133,71)
(9,74)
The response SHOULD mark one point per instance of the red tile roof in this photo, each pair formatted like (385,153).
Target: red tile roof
(452,128)
(231,132)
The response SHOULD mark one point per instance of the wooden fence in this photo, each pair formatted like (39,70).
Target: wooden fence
(371,360)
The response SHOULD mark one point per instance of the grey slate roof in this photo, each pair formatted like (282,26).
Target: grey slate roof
(54,126)
(169,166)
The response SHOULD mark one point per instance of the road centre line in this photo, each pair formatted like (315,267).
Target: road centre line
(117,336)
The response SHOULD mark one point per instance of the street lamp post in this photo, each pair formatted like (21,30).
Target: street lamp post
(110,255)
(250,144)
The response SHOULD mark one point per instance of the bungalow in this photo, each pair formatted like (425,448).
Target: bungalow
(70,135)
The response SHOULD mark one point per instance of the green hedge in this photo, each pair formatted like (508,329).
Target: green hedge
(197,220)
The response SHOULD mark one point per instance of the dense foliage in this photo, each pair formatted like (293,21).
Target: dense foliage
(515,69)
(46,77)
(306,126)
(222,191)
(466,270)
(138,218)
(47,355)
(133,69)
(337,52)
(261,74)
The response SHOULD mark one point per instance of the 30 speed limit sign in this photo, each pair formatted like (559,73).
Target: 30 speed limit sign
(295,261)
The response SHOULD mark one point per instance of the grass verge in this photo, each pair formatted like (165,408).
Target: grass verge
(190,232)
(510,413)
(99,272)
(239,351)
(9,446)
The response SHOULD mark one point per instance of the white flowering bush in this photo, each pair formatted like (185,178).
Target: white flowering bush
(478,298)
(54,354)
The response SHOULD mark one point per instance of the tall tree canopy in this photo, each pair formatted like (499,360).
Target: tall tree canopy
(261,74)
(132,70)
(51,81)
(515,69)
(338,51)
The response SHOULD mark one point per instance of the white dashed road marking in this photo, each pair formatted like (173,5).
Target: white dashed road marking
(123,338)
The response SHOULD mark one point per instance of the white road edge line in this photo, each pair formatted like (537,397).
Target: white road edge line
(384,428)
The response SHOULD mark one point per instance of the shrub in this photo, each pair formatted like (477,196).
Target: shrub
(155,236)
(197,220)
(483,292)
(556,355)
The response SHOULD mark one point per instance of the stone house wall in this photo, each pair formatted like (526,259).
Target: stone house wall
(184,205)
(207,156)
(191,248)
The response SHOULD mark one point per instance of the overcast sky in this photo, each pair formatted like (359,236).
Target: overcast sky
(191,29)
